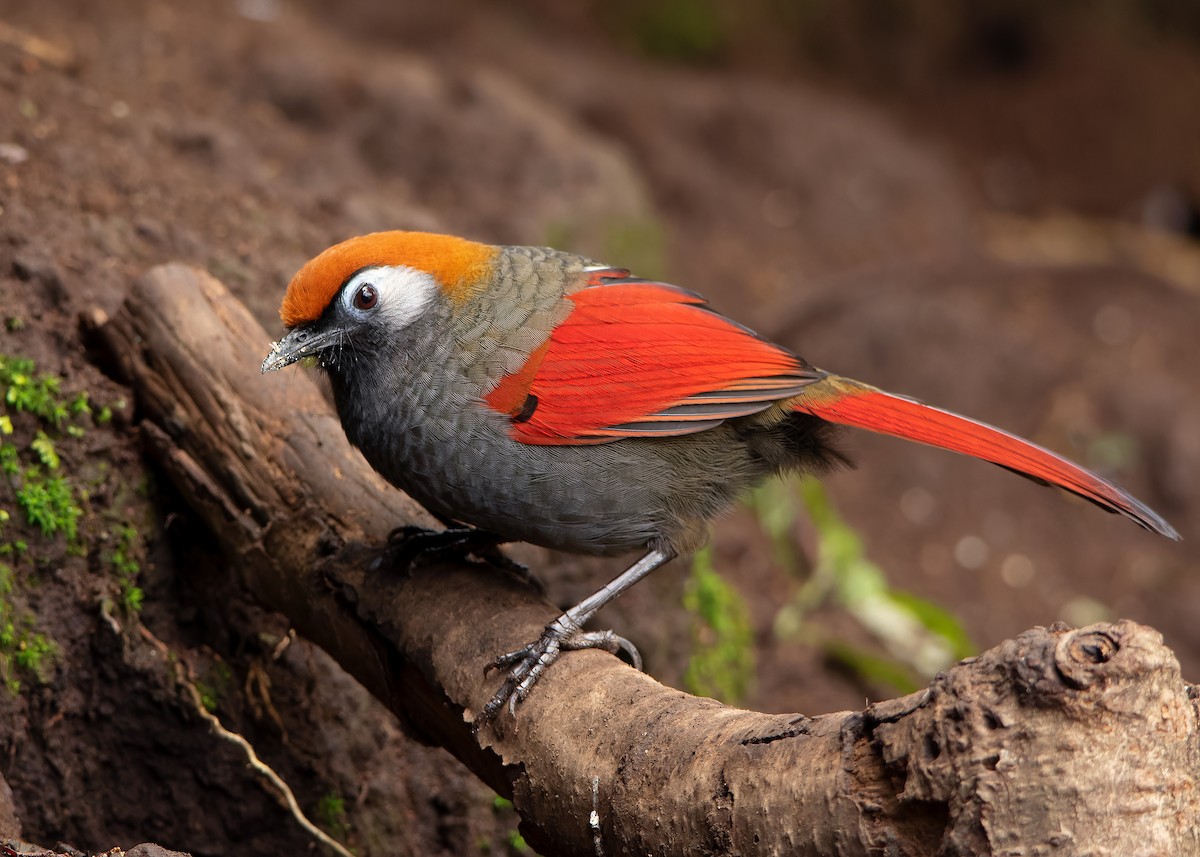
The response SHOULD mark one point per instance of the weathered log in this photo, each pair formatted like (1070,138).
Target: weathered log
(1061,741)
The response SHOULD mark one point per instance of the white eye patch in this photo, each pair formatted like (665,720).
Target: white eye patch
(400,293)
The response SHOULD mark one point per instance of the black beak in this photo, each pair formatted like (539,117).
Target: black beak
(299,343)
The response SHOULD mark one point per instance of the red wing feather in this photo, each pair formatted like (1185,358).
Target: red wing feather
(636,358)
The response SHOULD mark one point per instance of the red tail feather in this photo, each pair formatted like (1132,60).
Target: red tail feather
(848,403)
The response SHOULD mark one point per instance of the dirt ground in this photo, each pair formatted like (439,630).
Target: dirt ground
(995,212)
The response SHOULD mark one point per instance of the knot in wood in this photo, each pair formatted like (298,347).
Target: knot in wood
(1093,647)
(1079,653)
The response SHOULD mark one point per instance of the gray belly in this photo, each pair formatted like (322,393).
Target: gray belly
(593,499)
(456,459)
(599,499)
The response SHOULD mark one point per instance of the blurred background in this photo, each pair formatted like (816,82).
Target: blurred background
(992,206)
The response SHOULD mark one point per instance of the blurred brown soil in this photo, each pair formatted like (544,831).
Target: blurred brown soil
(972,235)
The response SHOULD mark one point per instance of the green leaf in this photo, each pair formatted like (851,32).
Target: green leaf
(922,637)
(872,668)
(938,620)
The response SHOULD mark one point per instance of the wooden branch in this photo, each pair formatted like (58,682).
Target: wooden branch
(1061,741)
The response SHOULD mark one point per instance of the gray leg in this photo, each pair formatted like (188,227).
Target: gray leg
(564,634)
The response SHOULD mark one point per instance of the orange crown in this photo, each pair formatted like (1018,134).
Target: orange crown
(456,263)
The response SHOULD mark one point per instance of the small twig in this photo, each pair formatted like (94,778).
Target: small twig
(282,645)
(36,47)
(257,688)
(109,618)
(265,770)
(251,756)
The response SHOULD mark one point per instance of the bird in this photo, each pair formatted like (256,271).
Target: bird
(530,394)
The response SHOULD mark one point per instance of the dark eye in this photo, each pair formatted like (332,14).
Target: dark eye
(366,297)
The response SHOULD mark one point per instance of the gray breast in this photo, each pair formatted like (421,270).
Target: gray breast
(425,432)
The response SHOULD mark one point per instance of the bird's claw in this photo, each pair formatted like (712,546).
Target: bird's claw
(527,664)
(491,554)
(401,536)
(408,543)
(405,545)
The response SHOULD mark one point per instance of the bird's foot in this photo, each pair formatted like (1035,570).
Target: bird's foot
(405,545)
(526,664)
(408,544)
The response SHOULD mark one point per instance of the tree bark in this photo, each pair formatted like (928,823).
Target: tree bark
(1059,742)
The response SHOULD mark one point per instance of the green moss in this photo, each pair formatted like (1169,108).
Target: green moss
(43,447)
(722,661)
(331,813)
(25,390)
(49,501)
(32,393)
(32,650)
(35,413)
(126,568)
(10,459)
(49,504)
(689,31)
(208,696)
(23,651)
(516,842)
(214,686)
